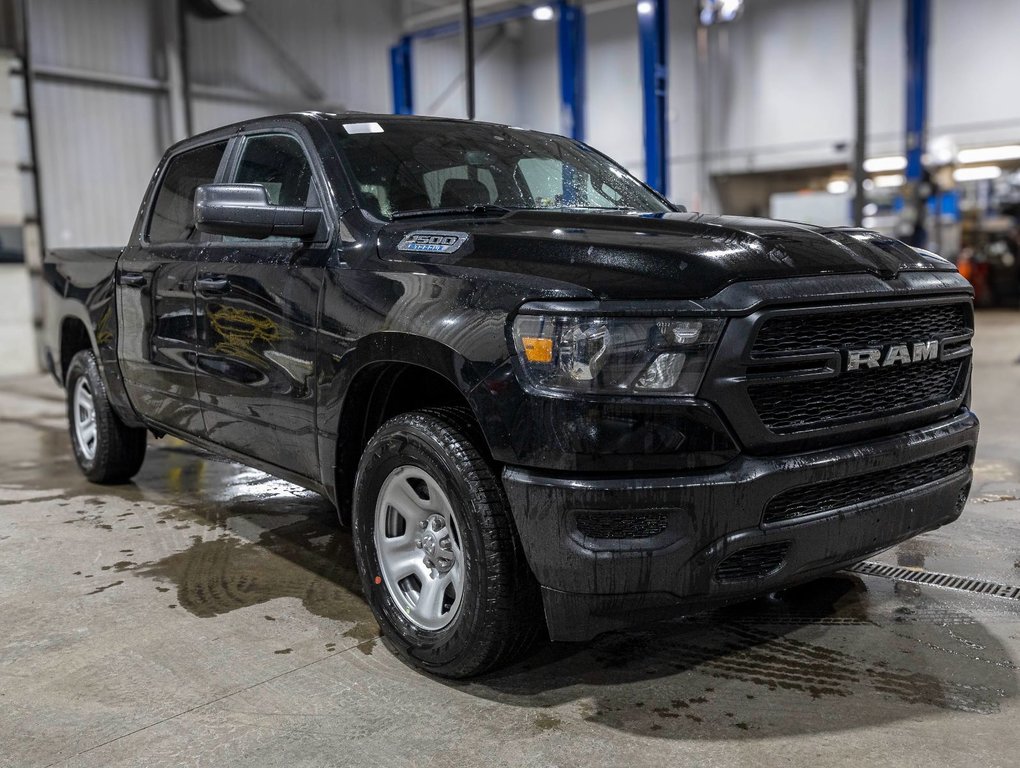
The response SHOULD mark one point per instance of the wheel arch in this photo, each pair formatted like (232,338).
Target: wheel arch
(75,337)
(408,375)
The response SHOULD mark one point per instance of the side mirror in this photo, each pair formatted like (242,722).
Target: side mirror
(680,208)
(244,210)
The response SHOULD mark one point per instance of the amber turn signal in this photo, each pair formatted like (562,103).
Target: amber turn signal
(537,350)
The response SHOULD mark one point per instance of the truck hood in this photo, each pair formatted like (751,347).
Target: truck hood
(657,256)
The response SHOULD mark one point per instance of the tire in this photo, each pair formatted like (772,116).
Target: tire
(106,450)
(418,466)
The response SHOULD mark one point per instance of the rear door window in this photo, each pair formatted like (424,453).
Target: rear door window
(173,212)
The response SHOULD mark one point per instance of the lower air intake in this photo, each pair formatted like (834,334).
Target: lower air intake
(621,525)
(870,487)
(753,562)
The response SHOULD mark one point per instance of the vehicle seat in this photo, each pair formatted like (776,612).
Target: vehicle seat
(459,193)
(372,204)
(409,200)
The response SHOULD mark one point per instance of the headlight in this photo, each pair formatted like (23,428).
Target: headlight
(616,355)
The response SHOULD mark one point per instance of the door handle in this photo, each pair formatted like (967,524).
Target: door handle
(212,285)
(133,279)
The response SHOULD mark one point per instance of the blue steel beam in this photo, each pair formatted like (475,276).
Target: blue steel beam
(401,71)
(572,70)
(653,33)
(918,28)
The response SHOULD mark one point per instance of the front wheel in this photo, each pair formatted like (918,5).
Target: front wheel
(439,558)
(107,451)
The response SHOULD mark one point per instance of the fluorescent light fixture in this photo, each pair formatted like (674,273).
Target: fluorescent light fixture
(838,187)
(891,180)
(543,13)
(977,173)
(989,154)
(884,164)
(730,9)
(645,7)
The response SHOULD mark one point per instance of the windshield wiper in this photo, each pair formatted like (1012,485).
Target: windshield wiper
(480,209)
(596,208)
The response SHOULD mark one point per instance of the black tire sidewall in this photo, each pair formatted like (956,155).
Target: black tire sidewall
(120,450)
(83,365)
(393,448)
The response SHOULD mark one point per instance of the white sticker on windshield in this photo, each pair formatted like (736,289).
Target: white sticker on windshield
(363,128)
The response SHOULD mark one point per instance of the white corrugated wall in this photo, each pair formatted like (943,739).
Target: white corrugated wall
(99,142)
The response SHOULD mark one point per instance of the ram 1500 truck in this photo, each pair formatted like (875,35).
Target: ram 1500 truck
(541,394)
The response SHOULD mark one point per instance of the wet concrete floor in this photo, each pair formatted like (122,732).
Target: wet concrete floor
(209,614)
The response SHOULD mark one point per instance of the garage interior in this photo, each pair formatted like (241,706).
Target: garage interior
(208,613)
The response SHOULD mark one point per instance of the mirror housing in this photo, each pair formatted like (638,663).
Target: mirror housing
(244,210)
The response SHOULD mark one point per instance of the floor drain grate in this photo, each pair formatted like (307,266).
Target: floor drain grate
(899,573)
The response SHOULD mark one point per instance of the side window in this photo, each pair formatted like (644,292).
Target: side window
(173,212)
(279,163)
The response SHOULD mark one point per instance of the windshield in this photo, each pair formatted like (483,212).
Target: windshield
(406,167)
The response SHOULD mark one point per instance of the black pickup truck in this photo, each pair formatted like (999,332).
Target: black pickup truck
(542,395)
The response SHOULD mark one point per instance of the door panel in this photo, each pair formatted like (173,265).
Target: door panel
(256,353)
(157,336)
(257,304)
(157,332)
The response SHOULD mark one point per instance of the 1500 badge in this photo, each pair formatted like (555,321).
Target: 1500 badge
(433,242)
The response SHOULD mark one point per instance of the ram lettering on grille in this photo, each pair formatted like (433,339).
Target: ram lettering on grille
(895,354)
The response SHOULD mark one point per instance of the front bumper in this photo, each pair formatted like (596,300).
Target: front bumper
(612,552)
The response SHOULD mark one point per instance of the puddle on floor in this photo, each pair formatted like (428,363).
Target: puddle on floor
(839,654)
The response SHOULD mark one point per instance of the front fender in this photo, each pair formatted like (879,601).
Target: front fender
(339,374)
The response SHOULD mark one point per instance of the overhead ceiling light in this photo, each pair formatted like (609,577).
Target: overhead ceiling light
(543,13)
(891,180)
(730,9)
(837,187)
(977,173)
(645,7)
(719,11)
(989,154)
(883,164)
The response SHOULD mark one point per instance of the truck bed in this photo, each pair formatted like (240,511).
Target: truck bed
(77,283)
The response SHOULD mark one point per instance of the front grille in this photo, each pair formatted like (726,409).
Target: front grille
(789,406)
(854,329)
(621,525)
(753,563)
(860,489)
(859,396)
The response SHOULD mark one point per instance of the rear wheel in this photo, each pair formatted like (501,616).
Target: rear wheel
(107,451)
(438,554)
